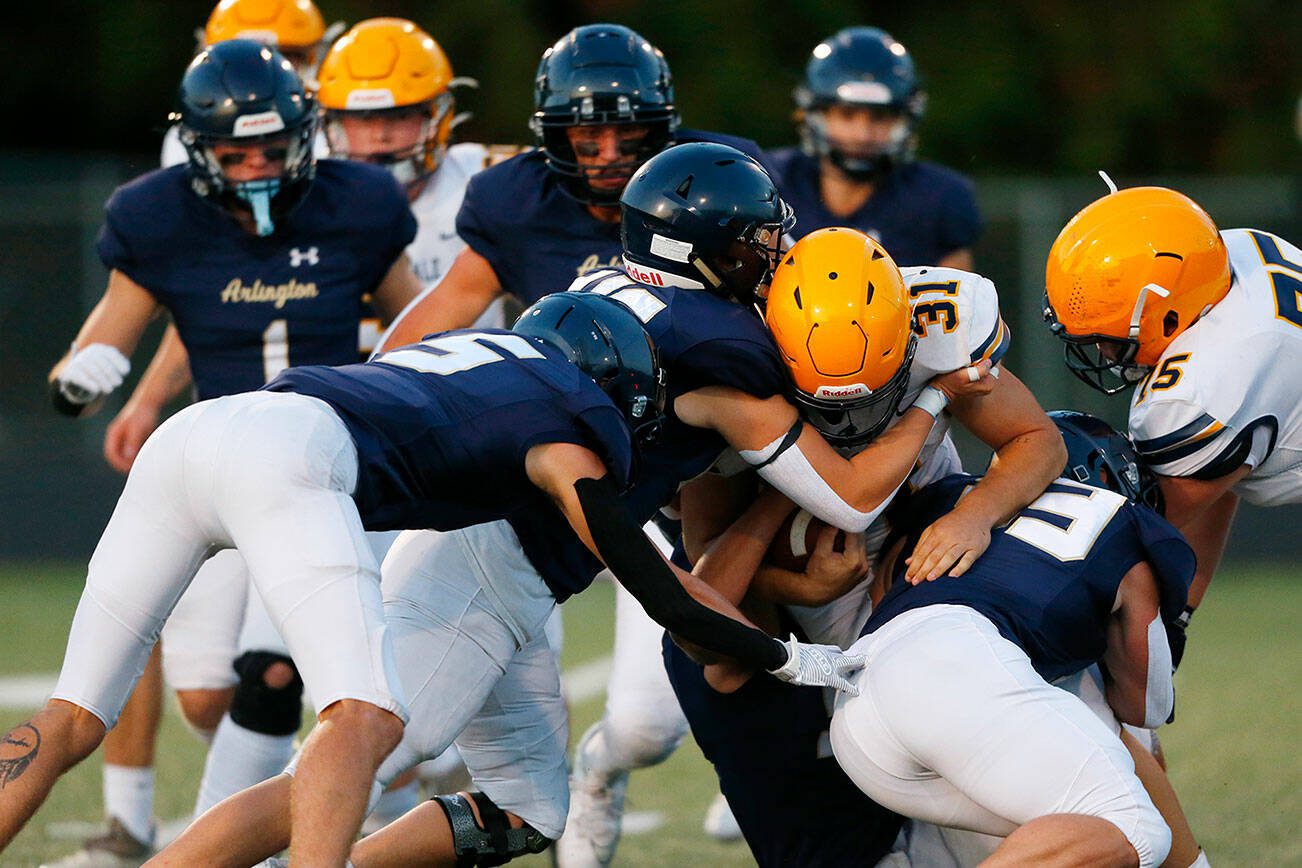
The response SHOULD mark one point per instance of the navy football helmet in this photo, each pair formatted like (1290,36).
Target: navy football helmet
(704,216)
(241,91)
(861,67)
(1099,455)
(601,74)
(607,341)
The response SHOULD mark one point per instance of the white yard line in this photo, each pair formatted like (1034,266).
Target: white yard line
(581,683)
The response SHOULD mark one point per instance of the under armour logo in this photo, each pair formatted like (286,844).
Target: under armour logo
(298,257)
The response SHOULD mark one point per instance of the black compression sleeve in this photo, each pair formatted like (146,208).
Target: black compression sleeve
(640,569)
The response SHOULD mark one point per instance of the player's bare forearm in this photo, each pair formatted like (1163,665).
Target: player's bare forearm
(1208,533)
(456,302)
(167,376)
(732,560)
(399,288)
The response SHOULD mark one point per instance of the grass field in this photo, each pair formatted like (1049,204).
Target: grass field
(1233,751)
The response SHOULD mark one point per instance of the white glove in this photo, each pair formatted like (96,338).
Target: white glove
(819,666)
(92,372)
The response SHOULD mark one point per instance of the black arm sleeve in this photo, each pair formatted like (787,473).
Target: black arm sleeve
(640,569)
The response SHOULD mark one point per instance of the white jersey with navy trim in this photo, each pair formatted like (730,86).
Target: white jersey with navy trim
(956,317)
(1226,391)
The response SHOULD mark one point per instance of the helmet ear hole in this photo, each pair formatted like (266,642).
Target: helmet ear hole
(1170,323)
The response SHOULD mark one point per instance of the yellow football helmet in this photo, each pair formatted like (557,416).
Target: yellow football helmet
(839,312)
(294,27)
(387,70)
(1125,276)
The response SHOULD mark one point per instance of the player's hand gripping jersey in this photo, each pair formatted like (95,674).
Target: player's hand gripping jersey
(1225,392)
(442,427)
(249,307)
(538,239)
(703,340)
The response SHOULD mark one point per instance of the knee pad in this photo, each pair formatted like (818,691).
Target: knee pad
(263,709)
(495,842)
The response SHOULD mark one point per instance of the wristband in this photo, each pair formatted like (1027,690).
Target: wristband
(931,401)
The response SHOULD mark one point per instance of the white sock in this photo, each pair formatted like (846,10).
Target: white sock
(1201,861)
(394,803)
(240,758)
(129,796)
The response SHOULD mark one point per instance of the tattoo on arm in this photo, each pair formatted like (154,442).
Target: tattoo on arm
(18,750)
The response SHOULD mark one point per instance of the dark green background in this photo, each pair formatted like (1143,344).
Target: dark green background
(1045,87)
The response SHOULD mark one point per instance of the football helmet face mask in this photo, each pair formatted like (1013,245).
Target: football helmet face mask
(601,75)
(1128,274)
(704,216)
(388,82)
(245,93)
(1099,455)
(839,313)
(607,341)
(860,68)
(293,27)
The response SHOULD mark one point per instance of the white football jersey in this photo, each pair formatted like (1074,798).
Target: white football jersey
(1226,391)
(956,317)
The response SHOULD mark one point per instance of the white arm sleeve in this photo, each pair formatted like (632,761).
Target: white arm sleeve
(782,465)
(1159,698)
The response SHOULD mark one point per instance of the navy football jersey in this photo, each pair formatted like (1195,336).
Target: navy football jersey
(769,745)
(702,340)
(1049,579)
(920,212)
(536,236)
(442,427)
(248,307)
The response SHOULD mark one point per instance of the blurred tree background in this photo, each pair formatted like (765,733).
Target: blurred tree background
(1023,86)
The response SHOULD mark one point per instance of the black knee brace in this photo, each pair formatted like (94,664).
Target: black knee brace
(495,842)
(257,707)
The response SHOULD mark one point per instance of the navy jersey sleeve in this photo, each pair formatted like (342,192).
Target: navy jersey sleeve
(752,367)
(138,219)
(374,207)
(746,146)
(478,219)
(599,428)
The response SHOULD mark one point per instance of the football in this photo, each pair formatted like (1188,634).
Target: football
(796,539)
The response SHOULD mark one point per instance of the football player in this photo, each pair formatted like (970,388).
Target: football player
(188,239)
(1146,292)
(386,90)
(744,719)
(295,28)
(858,108)
(860,338)
(503,428)
(678,210)
(603,105)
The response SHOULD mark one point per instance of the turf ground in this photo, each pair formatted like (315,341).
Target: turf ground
(1233,751)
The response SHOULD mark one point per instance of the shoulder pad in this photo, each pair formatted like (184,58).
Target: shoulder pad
(956,317)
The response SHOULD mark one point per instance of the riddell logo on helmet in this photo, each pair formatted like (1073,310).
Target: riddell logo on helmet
(644,275)
(838,392)
(259,124)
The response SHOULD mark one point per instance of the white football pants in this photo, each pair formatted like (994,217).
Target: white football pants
(953,726)
(468,614)
(269,474)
